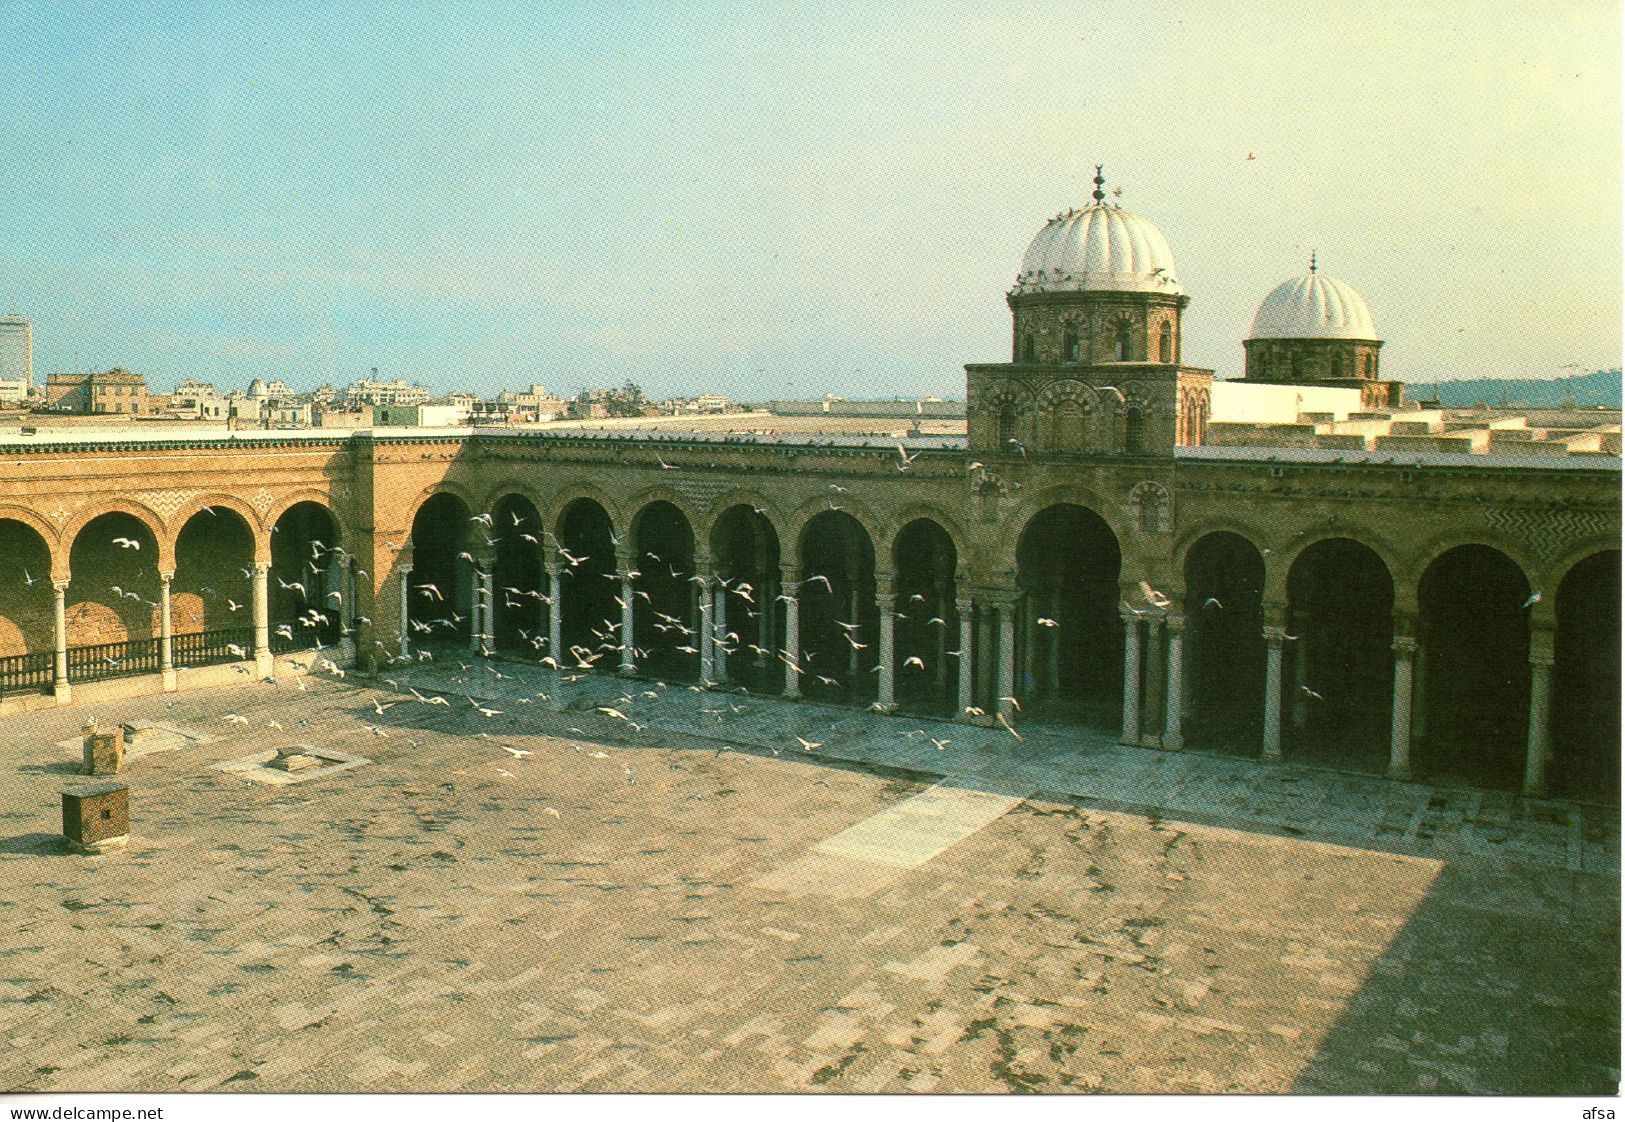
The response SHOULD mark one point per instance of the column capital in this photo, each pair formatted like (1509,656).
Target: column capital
(60,585)
(1405,645)
(166,575)
(885,585)
(552,568)
(1274,635)
(1541,658)
(1174,623)
(964,606)
(1131,616)
(262,567)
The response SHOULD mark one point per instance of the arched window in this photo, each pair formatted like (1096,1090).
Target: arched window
(1297,367)
(1007,426)
(1133,430)
(1124,350)
(1165,343)
(1069,342)
(1370,366)
(1029,349)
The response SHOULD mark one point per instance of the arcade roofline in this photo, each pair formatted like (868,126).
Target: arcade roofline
(934,447)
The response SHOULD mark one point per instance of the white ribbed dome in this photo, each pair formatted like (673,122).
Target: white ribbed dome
(1313,307)
(1099,249)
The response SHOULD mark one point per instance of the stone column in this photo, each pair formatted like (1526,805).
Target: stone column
(1155,679)
(1274,637)
(262,619)
(333,579)
(404,632)
(886,606)
(476,606)
(719,624)
(1399,745)
(488,605)
(166,634)
(1007,658)
(352,595)
(555,611)
(1174,702)
(347,610)
(63,691)
(1131,678)
(792,635)
(965,659)
(987,670)
(628,634)
(1540,678)
(699,603)
(767,608)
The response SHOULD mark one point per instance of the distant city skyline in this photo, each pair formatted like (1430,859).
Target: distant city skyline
(766,204)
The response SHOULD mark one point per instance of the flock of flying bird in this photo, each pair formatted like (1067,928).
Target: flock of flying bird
(316,619)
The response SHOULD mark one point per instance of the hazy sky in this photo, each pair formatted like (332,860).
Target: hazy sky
(775,199)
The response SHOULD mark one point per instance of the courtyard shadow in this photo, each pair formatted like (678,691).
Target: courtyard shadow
(36,845)
(1504,984)
(58,767)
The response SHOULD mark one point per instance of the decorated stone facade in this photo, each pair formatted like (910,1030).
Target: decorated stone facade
(1095,352)
(1438,615)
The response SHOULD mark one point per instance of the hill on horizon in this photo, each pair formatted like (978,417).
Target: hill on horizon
(1600,387)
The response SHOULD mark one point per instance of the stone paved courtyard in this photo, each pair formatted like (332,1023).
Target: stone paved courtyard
(700,904)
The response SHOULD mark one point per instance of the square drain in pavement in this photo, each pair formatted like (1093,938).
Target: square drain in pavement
(145,738)
(291,763)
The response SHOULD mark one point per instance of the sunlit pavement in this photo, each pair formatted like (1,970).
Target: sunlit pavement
(702,903)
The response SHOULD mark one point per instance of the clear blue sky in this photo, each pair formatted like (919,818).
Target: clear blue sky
(771,198)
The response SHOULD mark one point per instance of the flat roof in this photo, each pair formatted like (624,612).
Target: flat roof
(46,437)
(1389,458)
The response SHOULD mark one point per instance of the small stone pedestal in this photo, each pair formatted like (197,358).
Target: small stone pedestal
(140,732)
(295,758)
(96,818)
(104,751)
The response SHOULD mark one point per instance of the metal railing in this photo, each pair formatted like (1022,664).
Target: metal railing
(36,670)
(27,673)
(112,660)
(209,648)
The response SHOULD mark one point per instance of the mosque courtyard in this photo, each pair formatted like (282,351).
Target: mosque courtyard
(603,890)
